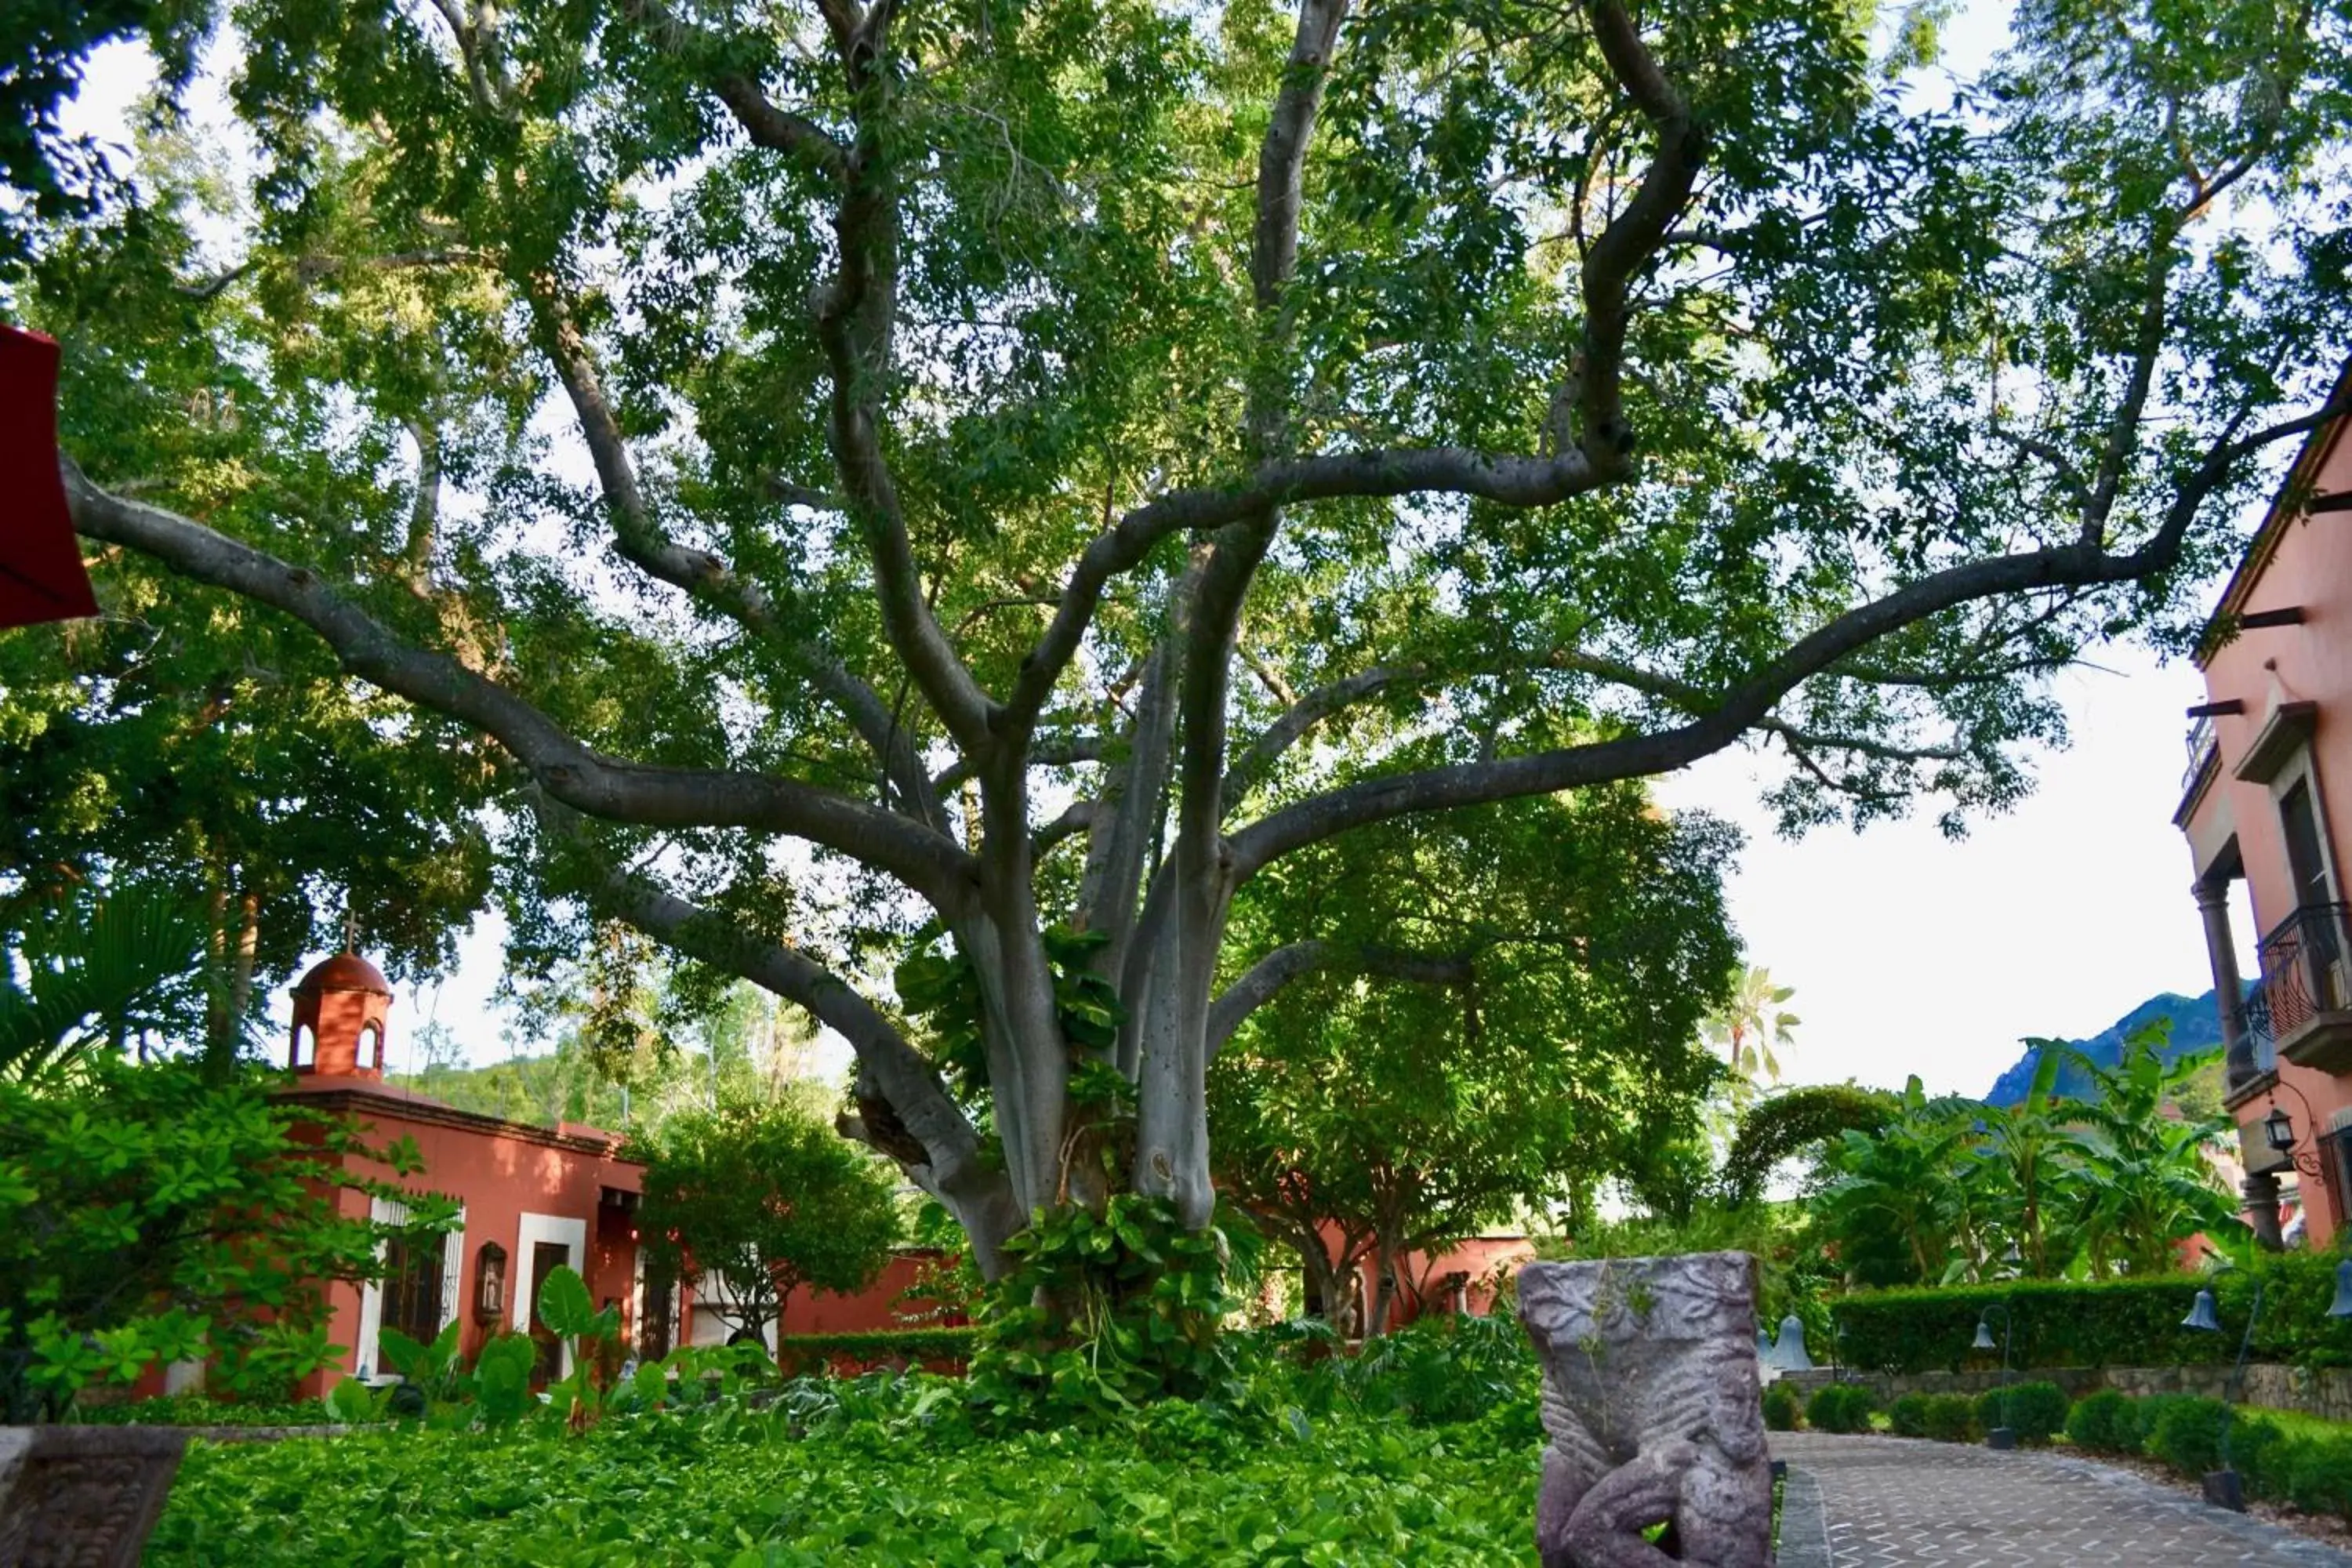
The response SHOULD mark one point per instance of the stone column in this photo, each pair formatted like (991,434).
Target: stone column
(2260,1192)
(2212,896)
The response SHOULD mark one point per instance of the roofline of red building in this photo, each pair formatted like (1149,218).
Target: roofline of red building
(364,1099)
(2266,542)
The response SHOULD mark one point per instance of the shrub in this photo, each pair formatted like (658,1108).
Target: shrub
(2036,1411)
(1908,1416)
(2146,1413)
(2256,1448)
(2313,1473)
(1780,1407)
(923,1346)
(2104,1423)
(151,1215)
(1841,1407)
(2186,1434)
(1951,1418)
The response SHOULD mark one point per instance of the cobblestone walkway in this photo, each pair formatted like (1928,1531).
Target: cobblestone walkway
(1889,1502)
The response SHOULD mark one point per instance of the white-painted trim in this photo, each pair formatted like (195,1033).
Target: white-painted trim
(390,1211)
(535,1228)
(2300,769)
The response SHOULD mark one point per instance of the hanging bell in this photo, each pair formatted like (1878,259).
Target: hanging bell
(1984,1340)
(2343,1307)
(2201,1316)
(1792,1345)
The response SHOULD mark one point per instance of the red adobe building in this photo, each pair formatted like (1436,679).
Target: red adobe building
(532,1197)
(2268,800)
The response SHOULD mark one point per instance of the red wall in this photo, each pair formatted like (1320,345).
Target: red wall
(875,1307)
(2310,567)
(500,1172)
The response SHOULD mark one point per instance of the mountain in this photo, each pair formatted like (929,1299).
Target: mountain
(2195,1027)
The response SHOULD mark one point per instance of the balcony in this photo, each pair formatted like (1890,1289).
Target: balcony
(2307,990)
(2204,763)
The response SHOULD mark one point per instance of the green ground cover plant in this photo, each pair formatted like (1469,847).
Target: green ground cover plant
(200,1410)
(879,1469)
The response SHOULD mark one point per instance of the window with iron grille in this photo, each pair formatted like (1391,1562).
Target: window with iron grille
(412,1284)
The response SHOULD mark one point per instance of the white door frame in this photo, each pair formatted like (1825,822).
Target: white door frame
(534,1228)
(391,1211)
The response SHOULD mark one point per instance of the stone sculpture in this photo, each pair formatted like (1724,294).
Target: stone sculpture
(82,1497)
(1652,1403)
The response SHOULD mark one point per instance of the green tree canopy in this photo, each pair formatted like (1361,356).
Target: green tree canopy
(1534,1039)
(831,470)
(768,1199)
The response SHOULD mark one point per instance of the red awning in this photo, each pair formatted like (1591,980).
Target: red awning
(41,577)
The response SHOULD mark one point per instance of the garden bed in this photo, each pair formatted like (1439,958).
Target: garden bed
(738,1488)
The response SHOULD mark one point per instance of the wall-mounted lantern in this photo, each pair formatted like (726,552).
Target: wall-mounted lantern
(489,1283)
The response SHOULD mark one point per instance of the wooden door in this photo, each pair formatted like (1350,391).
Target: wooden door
(546,1257)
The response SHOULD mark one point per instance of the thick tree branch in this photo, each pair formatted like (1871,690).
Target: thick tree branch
(2076,565)
(1508,480)
(776,128)
(1259,757)
(710,581)
(856,311)
(588,781)
(1633,235)
(1263,980)
(887,1063)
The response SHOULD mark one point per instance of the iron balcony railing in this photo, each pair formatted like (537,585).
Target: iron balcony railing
(2305,969)
(2258,1044)
(2201,743)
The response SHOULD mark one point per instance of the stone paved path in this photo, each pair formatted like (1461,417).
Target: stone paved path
(1892,1503)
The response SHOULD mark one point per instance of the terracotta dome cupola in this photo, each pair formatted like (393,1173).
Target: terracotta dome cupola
(339,1008)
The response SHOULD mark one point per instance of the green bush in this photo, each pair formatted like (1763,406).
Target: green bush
(919,1346)
(2120,1322)
(2186,1434)
(1841,1407)
(1780,1407)
(1908,1416)
(2146,1413)
(2036,1411)
(1951,1418)
(2313,1473)
(2104,1423)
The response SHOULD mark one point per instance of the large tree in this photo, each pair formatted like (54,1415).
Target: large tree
(1048,465)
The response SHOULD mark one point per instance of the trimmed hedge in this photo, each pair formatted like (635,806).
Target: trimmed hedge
(918,1346)
(2121,1323)
(1908,1417)
(1780,1407)
(2036,1411)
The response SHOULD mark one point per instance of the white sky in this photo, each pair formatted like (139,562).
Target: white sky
(1909,952)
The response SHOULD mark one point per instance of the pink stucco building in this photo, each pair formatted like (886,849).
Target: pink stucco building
(2267,801)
